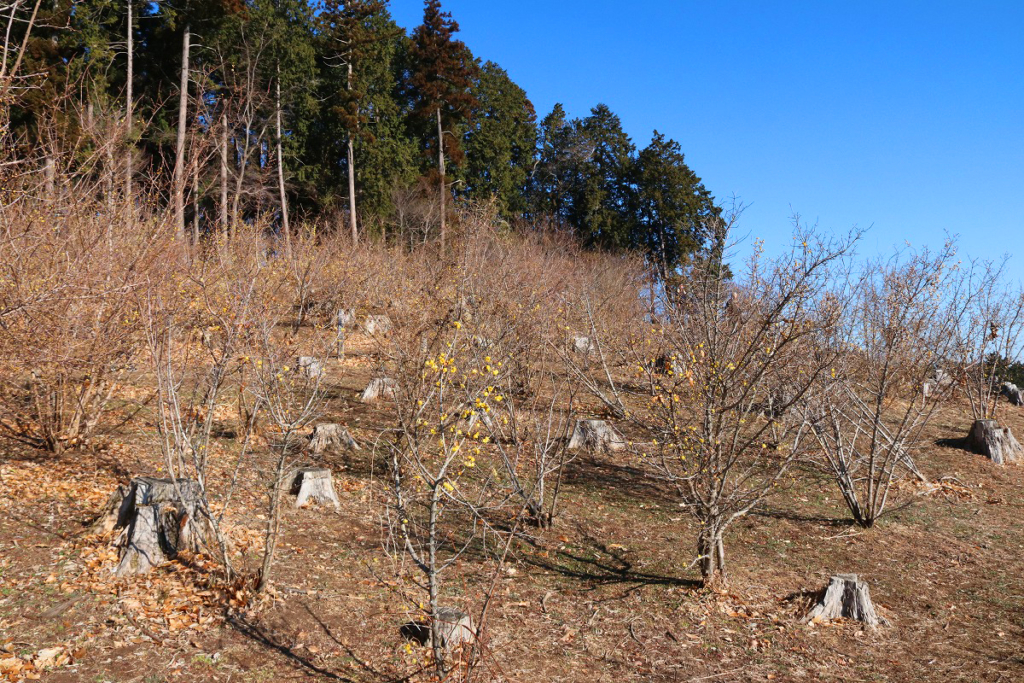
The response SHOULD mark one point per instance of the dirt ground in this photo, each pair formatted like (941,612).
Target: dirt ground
(605,595)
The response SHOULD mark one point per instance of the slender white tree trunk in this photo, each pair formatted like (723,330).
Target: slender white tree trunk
(440,168)
(130,109)
(352,173)
(195,202)
(224,172)
(280,169)
(179,162)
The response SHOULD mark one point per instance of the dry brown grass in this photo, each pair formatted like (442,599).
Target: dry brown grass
(604,595)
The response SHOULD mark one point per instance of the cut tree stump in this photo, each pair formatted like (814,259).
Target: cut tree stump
(311,367)
(379,389)
(846,597)
(314,485)
(597,436)
(453,627)
(994,442)
(107,521)
(583,345)
(377,324)
(157,523)
(346,317)
(1013,393)
(142,549)
(326,436)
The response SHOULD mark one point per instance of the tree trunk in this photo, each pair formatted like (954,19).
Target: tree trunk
(441,173)
(352,174)
(224,172)
(195,203)
(130,109)
(280,169)
(49,176)
(273,522)
(711,550)
(179,162)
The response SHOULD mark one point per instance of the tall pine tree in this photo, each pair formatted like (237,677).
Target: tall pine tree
(441,76)
(501,142)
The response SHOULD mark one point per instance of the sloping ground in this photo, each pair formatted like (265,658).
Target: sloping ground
(606,595)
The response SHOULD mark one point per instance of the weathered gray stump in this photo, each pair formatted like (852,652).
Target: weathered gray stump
(1012,393)
(939,383)
(377,324)
(583,345)
(325,436)
(346,319)
(597,436)
(379,389)
(142,548)
(107,520)
(311,367)
(314,485)
(453,627)
(159,520)
(847,597)
(994,442)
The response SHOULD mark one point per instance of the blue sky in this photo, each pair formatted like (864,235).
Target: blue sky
(904,116)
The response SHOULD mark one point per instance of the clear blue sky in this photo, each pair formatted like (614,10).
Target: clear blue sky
(906,116)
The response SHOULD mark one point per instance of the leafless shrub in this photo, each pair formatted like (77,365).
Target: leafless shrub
(712,440)
(870,409)
(69,317)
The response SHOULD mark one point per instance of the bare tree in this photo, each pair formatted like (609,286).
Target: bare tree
(724,428)
(987,336)
(870,409)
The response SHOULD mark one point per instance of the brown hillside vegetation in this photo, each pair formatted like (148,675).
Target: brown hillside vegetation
(686,544)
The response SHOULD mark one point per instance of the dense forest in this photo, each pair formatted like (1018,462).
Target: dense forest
(289,111)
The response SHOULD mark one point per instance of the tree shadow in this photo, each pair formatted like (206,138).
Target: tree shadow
(611,478)
(794,516)
(277,642)
(603,565)
(959,444)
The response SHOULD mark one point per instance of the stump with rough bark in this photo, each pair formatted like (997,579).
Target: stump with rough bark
(377,324)
(584,346)
(379,389)
(453,627)
(159,519)
(311,367)
(330,436)
(846,597)
(314,485)
(994,442)
(1012,393)
(107,520)
(346,317)
(596,436)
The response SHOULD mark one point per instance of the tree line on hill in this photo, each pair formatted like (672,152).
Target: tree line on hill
(224,111)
